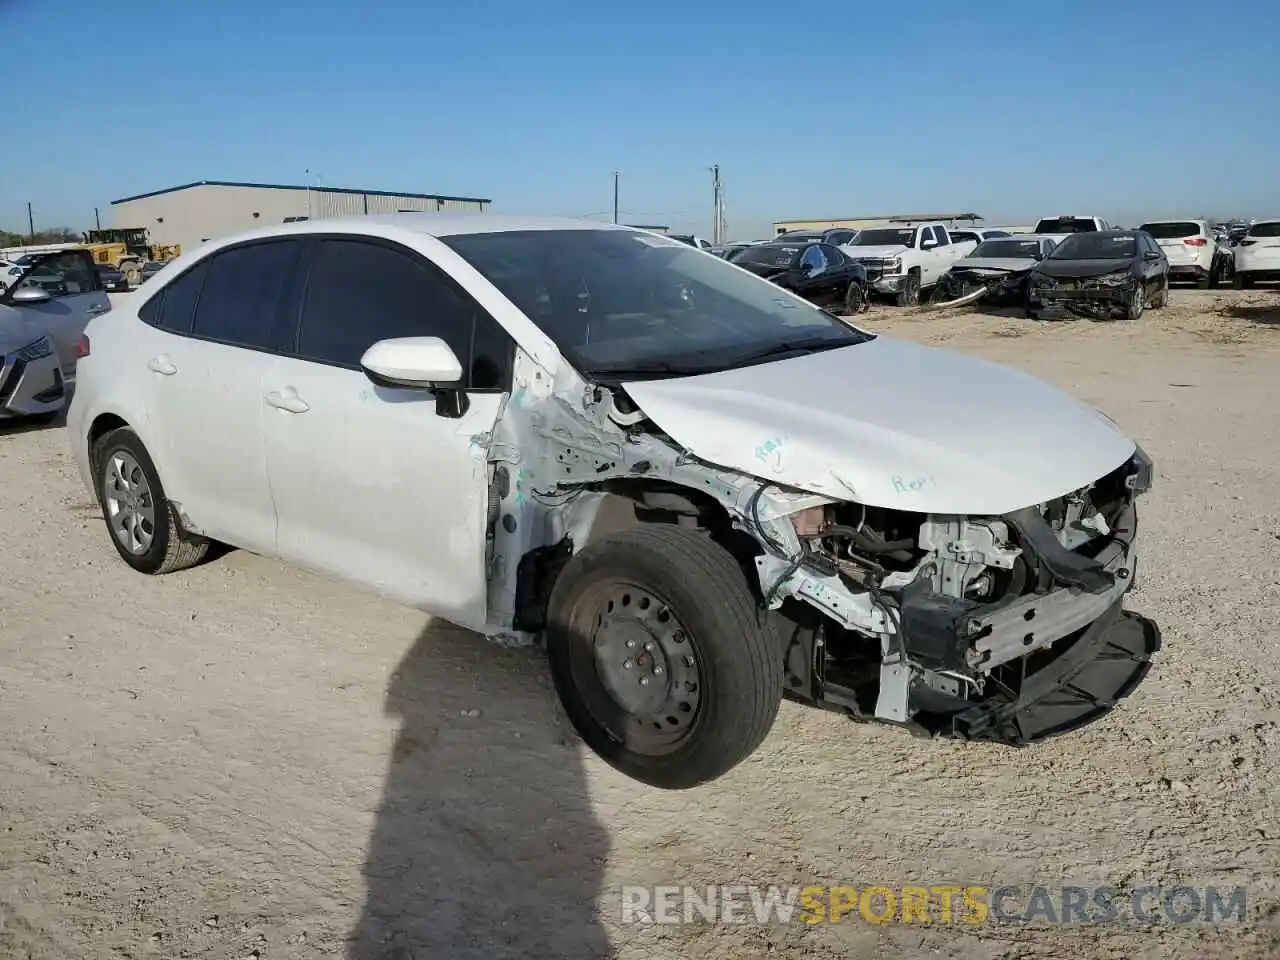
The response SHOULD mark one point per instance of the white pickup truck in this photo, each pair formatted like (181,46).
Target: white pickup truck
(903,260)
(1061,227)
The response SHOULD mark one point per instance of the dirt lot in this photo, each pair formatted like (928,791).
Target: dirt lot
(245,760)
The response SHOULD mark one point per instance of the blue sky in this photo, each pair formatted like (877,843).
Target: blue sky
(1124,110)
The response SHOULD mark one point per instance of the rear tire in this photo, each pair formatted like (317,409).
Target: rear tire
(1241,281)
(659,656)
(1161,299)
(141,521)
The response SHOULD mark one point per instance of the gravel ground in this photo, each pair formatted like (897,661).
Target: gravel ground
(245,760)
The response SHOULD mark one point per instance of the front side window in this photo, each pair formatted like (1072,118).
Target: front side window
(940,234)
(361,292)
(240,301)
(616,300)
(62,274)
(813,260)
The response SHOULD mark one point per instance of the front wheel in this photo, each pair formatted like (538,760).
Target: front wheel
(1241,281)
(659,657)
(909,294)
(855,301)
(1161,299)
(1137,303)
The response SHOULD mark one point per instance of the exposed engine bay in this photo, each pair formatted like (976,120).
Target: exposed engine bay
(950,625)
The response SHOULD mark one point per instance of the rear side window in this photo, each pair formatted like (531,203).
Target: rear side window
(963,236)
(1265,229)
(175,306)
(1173,230)
(240,301)
(359,293)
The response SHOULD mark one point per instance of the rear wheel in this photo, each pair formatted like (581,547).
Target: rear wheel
(1241,281)
(1161,299)
(143,524)
(659,657)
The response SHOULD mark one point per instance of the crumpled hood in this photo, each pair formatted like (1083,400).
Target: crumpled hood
(893,424)
(16,331)
(1012,264)
(875,253)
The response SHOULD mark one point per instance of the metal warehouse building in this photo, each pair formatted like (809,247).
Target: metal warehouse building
(207,209)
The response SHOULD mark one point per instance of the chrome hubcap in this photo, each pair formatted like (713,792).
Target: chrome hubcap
(130,505)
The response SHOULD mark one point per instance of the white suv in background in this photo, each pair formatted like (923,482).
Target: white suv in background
(1193,250)
(1257,257)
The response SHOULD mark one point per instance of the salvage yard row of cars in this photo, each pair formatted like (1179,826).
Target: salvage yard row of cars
(1081,264)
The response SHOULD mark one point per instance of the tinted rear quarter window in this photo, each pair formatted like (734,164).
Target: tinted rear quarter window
(174,307)
(239,303)
(360,292)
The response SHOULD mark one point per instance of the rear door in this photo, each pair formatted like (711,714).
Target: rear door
(214,336)
(77,296)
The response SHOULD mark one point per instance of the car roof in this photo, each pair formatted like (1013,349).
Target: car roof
(428,224)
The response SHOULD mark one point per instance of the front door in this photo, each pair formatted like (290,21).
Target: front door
(77,296)
(375,485)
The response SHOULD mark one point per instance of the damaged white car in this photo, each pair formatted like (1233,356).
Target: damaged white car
(701,492)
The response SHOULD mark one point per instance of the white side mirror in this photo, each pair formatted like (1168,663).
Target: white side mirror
(416,362)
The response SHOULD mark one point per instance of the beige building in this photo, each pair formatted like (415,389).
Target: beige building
(196,212)
(859,223)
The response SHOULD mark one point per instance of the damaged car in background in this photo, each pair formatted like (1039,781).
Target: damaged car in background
(995,272)
(818,272)
(1100,275)
(702,493)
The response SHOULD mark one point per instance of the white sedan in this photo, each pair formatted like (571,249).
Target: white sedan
(701,491)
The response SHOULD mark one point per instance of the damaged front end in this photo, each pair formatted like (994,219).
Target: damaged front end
(997,287)
(1094,298)
(1005,628)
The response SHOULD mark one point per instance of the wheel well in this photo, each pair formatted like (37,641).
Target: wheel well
(103,424)
(630,503)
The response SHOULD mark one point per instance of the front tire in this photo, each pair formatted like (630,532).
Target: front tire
(1137,303)
(855,301)
(1161,299)
(660,658)
(909,295)
(143,524)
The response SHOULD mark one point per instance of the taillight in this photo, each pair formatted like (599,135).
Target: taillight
(82,347)
(1195,241)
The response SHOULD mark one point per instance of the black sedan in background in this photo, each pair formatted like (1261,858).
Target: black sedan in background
(1098,274)
(112,279)
(816,271)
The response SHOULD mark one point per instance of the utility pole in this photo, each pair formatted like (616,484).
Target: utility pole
(306,174)
(717,215)
(616,174)
(31,223)
(97,221)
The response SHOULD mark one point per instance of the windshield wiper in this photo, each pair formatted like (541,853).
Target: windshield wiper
(810,345)
(633,369)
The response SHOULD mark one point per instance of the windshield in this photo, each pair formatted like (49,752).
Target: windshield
(1066,225)
(1271,229)
(1007,249)
(624,303)
(1171,229)
(1098,246)
(897,236)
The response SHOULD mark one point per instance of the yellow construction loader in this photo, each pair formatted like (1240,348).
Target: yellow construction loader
(127,249)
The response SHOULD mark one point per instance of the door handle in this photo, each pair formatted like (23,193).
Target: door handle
(96,309)
(162,365)
(289,401)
